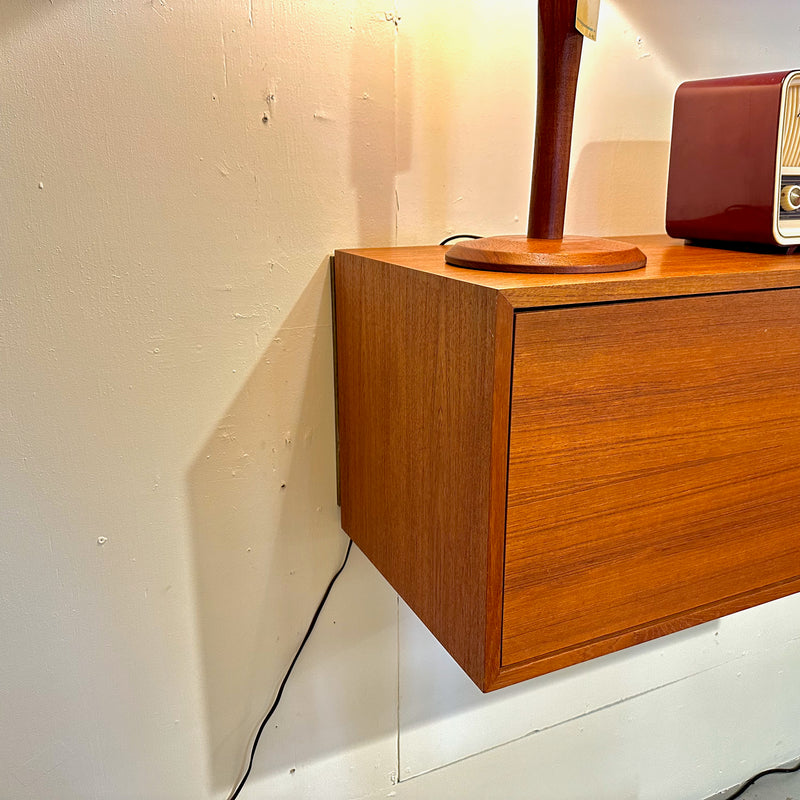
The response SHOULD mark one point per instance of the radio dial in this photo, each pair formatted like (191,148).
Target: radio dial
(790,197)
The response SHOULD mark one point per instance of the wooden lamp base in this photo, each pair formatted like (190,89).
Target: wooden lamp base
(570,255)
(546,249)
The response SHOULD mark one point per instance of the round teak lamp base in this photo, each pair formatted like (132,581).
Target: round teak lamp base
(570,255)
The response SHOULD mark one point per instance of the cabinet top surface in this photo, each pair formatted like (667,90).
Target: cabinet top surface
(673,268)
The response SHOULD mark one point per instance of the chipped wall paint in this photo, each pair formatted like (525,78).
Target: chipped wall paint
(176,173)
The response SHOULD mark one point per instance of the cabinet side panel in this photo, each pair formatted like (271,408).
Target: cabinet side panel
(654,470)
(415,382)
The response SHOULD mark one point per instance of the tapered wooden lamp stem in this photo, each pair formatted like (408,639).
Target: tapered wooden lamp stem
(545,249)
(560,46)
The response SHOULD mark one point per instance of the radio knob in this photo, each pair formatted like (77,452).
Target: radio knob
(790,197)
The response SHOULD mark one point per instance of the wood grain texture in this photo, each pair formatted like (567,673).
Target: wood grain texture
(501,410)
(541,665)
(571,255)
(417,393)
(550,468)
(673,268)
(653,464)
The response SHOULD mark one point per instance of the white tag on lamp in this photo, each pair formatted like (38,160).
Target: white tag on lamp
(586,16)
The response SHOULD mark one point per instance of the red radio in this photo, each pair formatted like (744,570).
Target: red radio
(734,170)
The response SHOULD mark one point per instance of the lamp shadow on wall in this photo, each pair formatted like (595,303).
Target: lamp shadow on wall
(380,129)
(266,540)
(21,13)
(618,188)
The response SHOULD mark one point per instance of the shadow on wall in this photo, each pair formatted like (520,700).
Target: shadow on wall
(264,515)
(619,188)
(266,537)
(379,138)
(16,14)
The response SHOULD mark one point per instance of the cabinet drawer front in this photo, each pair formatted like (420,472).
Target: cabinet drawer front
(654,466)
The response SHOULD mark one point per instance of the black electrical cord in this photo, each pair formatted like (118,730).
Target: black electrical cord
(277,700)
(745,786)
(459,236)
(740,791)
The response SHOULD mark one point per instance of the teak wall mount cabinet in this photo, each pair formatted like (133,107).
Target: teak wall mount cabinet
(551,468)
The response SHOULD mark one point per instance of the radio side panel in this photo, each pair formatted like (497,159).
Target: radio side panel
(723,159)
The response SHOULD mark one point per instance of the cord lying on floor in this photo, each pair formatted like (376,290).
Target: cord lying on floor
(747,784)
(277,700)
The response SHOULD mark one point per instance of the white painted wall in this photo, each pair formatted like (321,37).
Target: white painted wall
(174,175)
